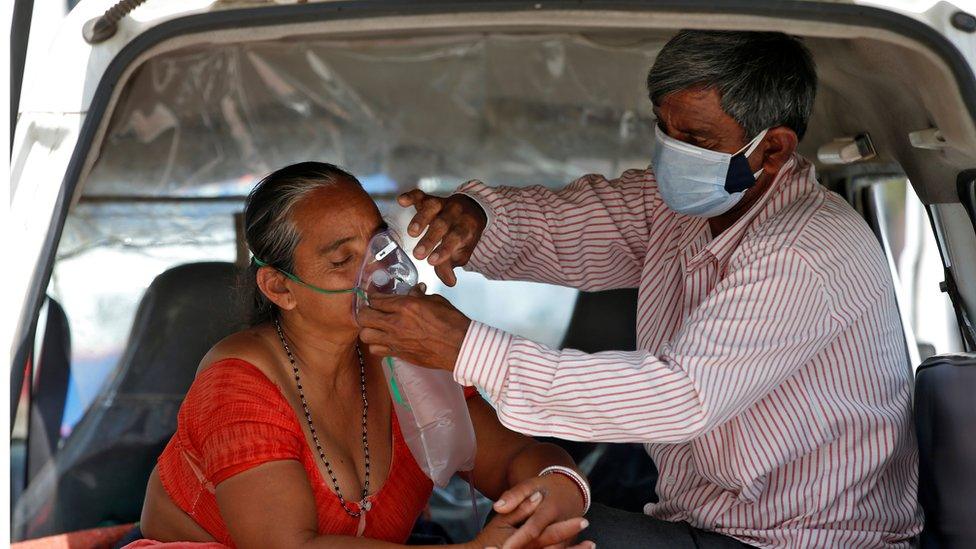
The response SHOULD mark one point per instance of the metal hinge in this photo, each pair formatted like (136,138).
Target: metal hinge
(105,26)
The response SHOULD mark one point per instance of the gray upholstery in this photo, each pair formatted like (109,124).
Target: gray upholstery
(52,370)
(99,475)
(603,321)
(945,420)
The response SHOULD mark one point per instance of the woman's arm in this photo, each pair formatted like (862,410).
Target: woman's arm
(507,467)
(272,506)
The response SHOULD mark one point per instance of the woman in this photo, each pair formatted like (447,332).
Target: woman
(287,437)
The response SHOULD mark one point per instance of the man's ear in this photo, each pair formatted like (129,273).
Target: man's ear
(778,147)
(272,284)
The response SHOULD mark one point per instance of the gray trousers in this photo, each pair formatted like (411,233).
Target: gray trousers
(612,528)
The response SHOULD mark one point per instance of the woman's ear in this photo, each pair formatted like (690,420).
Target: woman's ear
(272,284)
(779,144)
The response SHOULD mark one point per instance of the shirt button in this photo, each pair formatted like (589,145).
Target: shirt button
(670,480)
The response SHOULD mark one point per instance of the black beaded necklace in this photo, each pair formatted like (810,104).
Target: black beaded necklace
(363,504)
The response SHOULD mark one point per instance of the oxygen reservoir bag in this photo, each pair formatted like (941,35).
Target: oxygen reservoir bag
(429,404)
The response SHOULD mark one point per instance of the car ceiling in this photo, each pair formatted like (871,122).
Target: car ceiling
(866,85)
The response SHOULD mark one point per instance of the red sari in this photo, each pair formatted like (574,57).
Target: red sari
(234,418)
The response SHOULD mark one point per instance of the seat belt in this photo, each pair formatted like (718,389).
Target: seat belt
(966,327)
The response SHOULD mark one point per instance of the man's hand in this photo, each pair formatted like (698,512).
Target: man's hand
(454,225)
(425,330)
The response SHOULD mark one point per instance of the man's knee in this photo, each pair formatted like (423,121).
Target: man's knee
(611,528)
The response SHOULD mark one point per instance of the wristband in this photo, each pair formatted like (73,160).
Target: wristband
(584,487)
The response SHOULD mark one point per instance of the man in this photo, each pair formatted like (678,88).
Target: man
(771,384)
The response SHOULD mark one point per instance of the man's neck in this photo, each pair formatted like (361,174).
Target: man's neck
(719,224)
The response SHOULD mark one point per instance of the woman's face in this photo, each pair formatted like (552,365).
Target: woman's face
(335,225)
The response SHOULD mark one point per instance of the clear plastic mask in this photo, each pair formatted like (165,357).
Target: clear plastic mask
(387,269)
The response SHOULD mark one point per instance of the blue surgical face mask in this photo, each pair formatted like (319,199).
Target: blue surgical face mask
(701,182)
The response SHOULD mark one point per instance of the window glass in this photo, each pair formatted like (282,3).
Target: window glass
(109,255)
(112,252)
(539,312)
(194,130)
(905,224)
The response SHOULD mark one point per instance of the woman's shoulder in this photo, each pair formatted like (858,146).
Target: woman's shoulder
(252,346)
(238,370)
(235,415)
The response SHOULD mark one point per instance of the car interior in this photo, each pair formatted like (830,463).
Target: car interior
(146,275)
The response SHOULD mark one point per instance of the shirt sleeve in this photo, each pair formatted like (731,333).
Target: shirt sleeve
(760,324)
(591,235)
(242,421)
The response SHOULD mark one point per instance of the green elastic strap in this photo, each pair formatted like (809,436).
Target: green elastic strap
(394,388)
(357,290)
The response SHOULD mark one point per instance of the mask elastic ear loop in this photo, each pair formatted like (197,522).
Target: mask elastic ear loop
(358,291)
(751,146)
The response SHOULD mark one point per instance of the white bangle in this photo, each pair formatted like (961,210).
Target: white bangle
(581,483)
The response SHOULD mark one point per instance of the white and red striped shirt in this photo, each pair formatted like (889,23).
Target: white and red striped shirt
(771,384)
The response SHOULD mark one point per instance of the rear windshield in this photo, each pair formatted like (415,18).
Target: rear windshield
(196,128)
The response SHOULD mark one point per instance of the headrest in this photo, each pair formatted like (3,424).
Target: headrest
(185,311)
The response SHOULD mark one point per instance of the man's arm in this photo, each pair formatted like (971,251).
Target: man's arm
(591,234)
(759,325)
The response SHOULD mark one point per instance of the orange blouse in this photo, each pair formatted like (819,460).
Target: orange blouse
(234,418)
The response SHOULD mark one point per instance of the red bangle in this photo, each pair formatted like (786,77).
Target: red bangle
(577,479)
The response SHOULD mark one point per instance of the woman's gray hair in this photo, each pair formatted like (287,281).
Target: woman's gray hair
(764,79)
(269,230)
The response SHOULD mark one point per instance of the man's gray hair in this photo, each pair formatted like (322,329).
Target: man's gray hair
(764,79)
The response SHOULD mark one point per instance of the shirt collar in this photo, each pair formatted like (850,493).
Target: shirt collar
(795,179)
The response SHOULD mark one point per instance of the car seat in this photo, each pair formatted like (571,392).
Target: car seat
(99,476)
(49,373)
(945,422)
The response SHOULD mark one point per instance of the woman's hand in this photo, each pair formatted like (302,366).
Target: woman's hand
(559,502)
(512,530)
